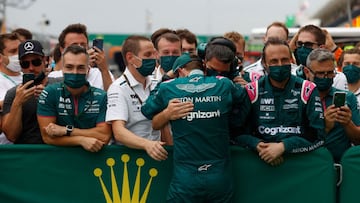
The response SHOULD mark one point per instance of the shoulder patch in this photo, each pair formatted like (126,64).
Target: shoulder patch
(306,89)
(254,76)
(252,91)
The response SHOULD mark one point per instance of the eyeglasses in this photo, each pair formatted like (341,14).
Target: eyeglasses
(26,64)
(324,74)
(306,44)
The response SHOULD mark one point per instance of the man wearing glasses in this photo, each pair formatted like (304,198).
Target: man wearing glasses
(343,122)
(311,37)
(19,111)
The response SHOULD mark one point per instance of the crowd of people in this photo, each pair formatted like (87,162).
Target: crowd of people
(201,101)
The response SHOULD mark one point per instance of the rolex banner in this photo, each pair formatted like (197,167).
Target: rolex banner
(44,174)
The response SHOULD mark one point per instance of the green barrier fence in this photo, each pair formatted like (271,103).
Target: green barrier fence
(349,188)
(43,174)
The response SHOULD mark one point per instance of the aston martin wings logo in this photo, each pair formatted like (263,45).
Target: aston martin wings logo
(195,88)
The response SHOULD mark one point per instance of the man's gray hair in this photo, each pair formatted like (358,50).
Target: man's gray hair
(320,55)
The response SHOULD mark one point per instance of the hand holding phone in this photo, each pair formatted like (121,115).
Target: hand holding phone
(339,99)
(31,76)
(99,43)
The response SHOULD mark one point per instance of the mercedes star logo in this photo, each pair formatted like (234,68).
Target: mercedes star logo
(28,46)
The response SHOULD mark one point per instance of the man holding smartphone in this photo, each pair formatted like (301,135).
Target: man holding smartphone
(342,124)
(99,75)
(19,113)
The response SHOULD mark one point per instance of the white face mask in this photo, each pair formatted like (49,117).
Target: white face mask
(14,63)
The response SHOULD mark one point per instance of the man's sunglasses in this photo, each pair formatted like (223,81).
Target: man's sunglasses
(26,64)
(306,44)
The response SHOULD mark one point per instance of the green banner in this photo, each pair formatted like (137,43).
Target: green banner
(43,174)
(349,188)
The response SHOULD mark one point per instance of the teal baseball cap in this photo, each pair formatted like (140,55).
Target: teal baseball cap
(181,61)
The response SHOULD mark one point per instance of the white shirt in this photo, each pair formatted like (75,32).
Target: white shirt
(94,77)
(125,98)
(340,81)
(157,74)
(259,68)
(6,83)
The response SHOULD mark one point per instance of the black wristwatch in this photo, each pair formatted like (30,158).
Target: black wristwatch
(69,129)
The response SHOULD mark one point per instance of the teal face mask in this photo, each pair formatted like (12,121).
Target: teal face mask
(323,84)
(352,73)
(75,80)
(147,67)
(301,55)
(280,73)
(166,62)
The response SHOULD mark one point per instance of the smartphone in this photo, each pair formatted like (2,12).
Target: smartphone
(27,77)
(99,43)
(39,79)
(339,99)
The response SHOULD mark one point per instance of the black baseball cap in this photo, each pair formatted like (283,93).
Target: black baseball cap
(30,47)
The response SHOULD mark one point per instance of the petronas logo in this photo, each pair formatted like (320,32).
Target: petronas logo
(125,196)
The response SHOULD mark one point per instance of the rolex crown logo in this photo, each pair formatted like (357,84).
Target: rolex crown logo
(125,196)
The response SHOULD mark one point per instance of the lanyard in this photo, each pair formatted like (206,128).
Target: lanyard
(7,77)
(132,89)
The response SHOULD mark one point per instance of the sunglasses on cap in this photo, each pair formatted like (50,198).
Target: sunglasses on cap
(26,64)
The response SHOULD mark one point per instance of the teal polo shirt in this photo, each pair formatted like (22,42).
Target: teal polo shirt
(336,141)
(84,111)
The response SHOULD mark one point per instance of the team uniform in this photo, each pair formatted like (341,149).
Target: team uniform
(251,76)
(201,139)
(336,140)
(293,115)
(83,112)
(125,97)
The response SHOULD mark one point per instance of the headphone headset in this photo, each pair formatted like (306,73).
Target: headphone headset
(222,41)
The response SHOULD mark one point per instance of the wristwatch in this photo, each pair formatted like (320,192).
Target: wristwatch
(69,129)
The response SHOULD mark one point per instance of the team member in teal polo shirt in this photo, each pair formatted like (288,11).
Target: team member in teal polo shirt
(201,136)
(73,113)
(342,123)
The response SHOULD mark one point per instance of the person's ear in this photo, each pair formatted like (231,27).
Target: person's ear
(306,72)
